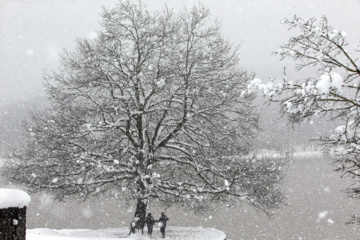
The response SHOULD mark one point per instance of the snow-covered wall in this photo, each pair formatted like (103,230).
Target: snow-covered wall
(13,198)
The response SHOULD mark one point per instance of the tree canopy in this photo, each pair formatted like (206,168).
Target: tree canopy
(150,109)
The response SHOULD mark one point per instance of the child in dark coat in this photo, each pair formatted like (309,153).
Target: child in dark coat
(162,223)
(150,221)
(137,223)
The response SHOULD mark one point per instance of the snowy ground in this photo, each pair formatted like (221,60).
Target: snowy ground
(172,233)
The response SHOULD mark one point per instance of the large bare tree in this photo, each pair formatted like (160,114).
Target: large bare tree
(150,109)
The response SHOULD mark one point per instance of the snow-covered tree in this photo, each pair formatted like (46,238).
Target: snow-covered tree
(149,109)
(335,91)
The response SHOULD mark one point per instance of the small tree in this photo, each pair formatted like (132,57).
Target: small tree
(150,109)
(335,91)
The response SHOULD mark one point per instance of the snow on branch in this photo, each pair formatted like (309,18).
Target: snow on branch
(333,90)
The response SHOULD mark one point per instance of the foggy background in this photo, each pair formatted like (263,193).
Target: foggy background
(33,33)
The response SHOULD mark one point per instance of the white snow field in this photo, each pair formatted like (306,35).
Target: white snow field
(172,233)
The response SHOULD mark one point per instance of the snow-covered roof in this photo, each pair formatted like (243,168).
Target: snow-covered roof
(13,198)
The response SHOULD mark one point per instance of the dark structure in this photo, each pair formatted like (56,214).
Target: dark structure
(13,223)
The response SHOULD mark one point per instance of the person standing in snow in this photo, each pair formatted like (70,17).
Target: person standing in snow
(140,223)
(162,224)
(132,226)
(150,221)
(137,223)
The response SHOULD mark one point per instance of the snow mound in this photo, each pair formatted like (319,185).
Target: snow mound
(13,198)
(172,233)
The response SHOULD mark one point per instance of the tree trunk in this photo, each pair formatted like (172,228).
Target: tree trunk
(140,211)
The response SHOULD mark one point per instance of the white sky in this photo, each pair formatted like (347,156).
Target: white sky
(34,32)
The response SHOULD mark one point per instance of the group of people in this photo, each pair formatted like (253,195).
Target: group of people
(139,223)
